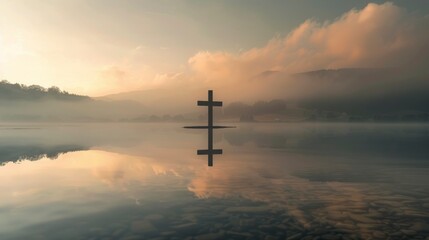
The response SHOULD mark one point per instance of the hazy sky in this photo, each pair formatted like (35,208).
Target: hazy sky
(99,47)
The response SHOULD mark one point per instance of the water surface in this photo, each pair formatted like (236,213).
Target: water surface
(274,181)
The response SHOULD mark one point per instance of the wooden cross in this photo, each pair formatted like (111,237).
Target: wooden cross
(209,151)
(210,104)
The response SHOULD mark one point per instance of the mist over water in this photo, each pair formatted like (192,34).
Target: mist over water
(338,181)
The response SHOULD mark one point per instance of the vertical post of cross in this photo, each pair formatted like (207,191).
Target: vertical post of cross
(210,127)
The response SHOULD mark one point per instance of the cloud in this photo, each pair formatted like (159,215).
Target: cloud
(381,36)
(376,36)
(123,77)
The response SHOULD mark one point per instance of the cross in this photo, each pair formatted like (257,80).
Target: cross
(210,104)
(209,151)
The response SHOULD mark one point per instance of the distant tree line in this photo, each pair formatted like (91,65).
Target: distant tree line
(157,118)
(16,91)
(247,112)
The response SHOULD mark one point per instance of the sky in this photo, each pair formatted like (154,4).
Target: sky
(99,47)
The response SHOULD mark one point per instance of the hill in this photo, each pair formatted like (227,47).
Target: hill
(19,92)
(365,91)
(37,104)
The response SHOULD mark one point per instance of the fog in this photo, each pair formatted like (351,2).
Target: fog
(343,66)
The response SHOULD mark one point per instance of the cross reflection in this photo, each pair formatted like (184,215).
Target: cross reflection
(209,151)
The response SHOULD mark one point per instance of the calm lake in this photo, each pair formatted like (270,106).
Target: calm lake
(273,181)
